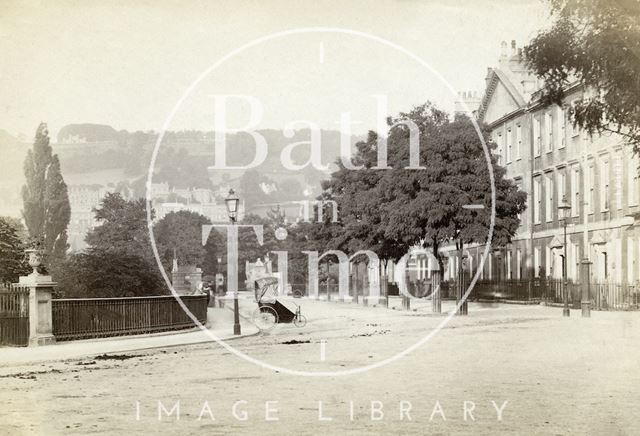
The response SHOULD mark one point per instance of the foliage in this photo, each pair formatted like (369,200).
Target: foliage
(46,203)
(389,211)
(597,44)
(119,260)
(12,256)
(182,231)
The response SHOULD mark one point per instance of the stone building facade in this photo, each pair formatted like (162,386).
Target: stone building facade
(550,159)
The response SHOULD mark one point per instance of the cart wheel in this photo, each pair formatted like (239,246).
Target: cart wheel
(300,321)
(265,318)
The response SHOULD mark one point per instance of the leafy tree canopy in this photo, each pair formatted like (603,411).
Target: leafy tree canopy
(390,210)
(597,44)
(12,255)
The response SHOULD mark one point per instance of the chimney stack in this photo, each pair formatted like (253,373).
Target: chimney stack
(503,49)
(513,47)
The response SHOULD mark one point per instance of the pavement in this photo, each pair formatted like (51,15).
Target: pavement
(219,323)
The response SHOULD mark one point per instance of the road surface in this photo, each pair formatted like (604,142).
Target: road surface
(504,369)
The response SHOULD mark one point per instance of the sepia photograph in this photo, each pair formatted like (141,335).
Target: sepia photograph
(243,217)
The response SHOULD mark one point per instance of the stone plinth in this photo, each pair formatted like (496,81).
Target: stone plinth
(40,317)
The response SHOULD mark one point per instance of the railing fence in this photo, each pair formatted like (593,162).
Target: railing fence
(604,295)
(14,315)
(85,318)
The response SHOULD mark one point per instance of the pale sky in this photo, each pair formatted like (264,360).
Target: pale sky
(127,63)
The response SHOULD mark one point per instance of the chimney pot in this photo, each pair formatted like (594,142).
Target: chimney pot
(513,47)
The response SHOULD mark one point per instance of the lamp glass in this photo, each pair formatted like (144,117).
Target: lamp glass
(232,202)
(564,207)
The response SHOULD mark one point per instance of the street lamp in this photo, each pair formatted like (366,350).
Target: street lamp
(232,202)
(564,209)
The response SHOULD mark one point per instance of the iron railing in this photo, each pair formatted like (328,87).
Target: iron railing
(14,315)
(84,318)
(605,295)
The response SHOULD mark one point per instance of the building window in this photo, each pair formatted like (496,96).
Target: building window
(631,260)
(536,136)
(481,264)
(575,130)
(575,191)
(548,197)
(536,261)
(617,187)
(604,186)
(508,253)
(561,184)
(509,139)
(518,263)
(548,262)
(632,182)
(518,141)
(591,199)
(500,148)
(519,188)
(562,127)
(548,127)
(536,200)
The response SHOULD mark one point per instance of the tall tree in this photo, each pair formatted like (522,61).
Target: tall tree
(46,204)
(119,260)
(181,233)
(426,206)
(597,44)
(389,211)
(12,255)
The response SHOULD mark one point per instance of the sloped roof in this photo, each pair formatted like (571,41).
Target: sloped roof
(495,77)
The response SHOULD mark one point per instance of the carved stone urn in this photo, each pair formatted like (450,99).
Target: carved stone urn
(35,259)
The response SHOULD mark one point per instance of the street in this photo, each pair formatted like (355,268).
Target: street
(505,368)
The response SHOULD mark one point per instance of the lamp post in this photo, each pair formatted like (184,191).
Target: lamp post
(232,202)
(564,209)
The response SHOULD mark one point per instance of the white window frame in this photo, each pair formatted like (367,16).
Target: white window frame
(548,132)
(575,191)
(632,182)
(536,199)
(500,148)
(537,146)
(618,180)
(518,141)
(561,184)
(509,146)
(591,198)
(575,131)
(562,127)
(605,201)
(548,197)
(548,263)
(631,260)
(536,261)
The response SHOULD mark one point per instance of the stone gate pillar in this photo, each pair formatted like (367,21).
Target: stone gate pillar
(585,284)
(40,308)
